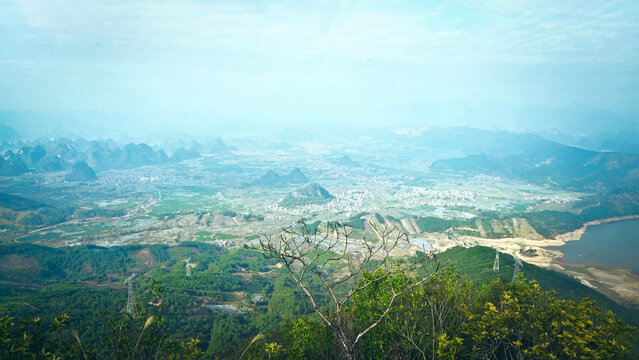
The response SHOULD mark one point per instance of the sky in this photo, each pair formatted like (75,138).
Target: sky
(201,64)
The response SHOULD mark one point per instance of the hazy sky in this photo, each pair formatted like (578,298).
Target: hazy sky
(205,61)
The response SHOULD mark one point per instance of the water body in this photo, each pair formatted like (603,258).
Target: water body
(614,243)
(422,244)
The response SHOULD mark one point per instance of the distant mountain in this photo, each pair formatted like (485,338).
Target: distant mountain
(47,155)
(51,163)
(134,155)
(58,154)
(526,156)
(12,165)
(217,145)
(573,120)
(469,141)
(7,133)
(627,141)
(555,164)
(306,195)
(206,146)
(617,202)
(345,161)
(271,178)
(32,154)
(82,172)
(295,177)
(183,154)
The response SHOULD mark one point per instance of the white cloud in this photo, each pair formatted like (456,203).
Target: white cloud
(314,57)
(472,31)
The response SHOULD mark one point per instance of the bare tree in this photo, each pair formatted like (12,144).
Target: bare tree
(309,251)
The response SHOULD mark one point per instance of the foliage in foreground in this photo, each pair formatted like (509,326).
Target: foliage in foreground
(450,319)
(141,335)
(442,318)
(445,318)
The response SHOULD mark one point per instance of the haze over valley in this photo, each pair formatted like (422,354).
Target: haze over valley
(517,193)
(229,172)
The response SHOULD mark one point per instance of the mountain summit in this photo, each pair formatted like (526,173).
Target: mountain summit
(271,178)
(307,195)
(82,172)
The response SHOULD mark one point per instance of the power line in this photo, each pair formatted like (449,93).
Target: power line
(130,307)
(241,291)
(188,267)
(130,301)
(518,266)
(318,293)
(468,276)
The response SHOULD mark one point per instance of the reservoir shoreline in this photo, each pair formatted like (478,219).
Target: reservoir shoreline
(597,244)
(616,277)
(576,235)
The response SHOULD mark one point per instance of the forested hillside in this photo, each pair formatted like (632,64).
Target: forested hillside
(234,295)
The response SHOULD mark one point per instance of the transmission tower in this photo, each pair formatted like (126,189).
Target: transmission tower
(188,267)
(130,301)
(518,266)
(496,264)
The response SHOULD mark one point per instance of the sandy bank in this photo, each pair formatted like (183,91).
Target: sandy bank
(619,284)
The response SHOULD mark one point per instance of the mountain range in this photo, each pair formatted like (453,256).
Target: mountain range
(528,157)
(48,155)
(271,178)
(544,162)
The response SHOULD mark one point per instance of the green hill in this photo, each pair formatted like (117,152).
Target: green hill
(475,265)
(82,172)
(307,195)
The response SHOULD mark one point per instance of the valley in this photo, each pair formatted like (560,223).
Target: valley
(231,195)
(200,180)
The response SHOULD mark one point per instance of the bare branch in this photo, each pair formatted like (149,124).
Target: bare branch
(305,250)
